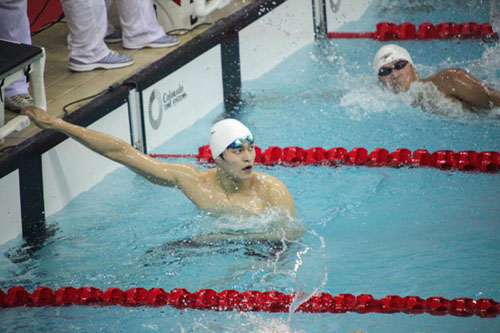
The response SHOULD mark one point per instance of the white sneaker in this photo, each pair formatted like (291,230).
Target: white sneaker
(165,41)
(112,60)
(19,102)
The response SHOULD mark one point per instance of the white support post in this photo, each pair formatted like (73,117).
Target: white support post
(136,119)
(319,19)
(38,83)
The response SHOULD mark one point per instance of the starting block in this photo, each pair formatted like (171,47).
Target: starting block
(16,61)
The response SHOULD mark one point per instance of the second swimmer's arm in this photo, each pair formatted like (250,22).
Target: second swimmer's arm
(460,84)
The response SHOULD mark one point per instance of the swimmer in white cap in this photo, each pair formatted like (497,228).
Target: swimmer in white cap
(232,187)
(395,69)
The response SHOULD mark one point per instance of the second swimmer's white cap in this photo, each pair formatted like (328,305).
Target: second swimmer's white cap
(224,132)
(389,53)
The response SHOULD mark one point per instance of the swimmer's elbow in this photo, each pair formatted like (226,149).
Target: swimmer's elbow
(120,153)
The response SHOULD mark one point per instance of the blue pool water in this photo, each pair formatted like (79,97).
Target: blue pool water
(381,231)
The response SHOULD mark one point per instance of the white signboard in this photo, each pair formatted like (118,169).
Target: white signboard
(180,99)
(70,168)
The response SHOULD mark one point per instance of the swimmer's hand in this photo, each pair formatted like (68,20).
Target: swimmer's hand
(41,118)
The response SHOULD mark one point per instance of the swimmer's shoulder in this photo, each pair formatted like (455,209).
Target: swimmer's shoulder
(275,191)
(186,173)
(448,80)
(445,76)
(207,175)
(267,181)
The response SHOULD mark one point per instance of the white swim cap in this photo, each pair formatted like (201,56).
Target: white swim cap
(224,132)
(389,53)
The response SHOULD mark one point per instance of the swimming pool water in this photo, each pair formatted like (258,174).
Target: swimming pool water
(407,231)
(331,86)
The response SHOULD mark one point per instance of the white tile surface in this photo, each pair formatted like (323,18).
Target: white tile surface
(344,12)
(70,168)
(10,207)
(277,35)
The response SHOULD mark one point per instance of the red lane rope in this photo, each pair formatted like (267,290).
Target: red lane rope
(250,300)
(467,160)
(386,31)
(350,35)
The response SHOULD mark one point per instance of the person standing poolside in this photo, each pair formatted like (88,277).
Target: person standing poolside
(89,29)
(395,69)
(232,187)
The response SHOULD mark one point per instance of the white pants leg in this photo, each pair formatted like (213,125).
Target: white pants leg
(14,26)
(139,23)
(87,23)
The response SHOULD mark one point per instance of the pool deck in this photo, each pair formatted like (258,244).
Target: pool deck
(63,86)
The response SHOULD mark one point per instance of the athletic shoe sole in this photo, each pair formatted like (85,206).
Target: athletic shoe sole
(90,67)
(151,45)
(112,40)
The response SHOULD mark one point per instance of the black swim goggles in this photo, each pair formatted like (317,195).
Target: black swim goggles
(384,71)
(238,143)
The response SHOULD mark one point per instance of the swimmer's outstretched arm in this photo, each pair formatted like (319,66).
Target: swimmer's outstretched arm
(466,87)
(167,174)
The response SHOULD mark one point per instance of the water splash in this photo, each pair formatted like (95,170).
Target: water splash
(490,63)
(250,322)
(273,224)
(363,100)
(302,295)
(430,99)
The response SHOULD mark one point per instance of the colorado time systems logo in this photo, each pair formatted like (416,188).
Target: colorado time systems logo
(155,100)
(160,103)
